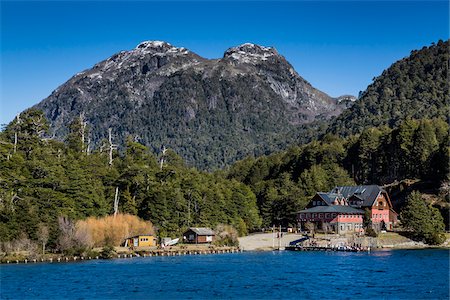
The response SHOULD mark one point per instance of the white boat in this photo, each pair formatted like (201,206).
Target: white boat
(172,242)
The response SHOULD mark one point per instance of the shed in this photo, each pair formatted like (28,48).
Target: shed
(141,241)
(198,235)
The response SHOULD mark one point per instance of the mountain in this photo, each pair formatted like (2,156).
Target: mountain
(415,87)
(210,111)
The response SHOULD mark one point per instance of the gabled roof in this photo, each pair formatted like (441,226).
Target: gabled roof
(367,193)
(328,197)
(202,230)
(333,209)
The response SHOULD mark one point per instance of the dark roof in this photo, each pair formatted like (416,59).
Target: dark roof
(202,230)
(367,193)
(333,209)
(328,197)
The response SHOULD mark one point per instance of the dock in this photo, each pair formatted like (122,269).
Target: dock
(324,248)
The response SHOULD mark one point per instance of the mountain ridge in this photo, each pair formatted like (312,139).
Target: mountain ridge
(249,102)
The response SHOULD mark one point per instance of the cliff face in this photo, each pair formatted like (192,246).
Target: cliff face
(212,112)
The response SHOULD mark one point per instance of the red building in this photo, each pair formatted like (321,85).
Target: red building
(343,208)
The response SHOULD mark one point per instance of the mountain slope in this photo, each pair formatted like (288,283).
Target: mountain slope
(414,87)
(211,112)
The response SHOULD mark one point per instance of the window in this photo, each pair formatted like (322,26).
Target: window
(334,215)
(321,216)
(314,203)
(327,216)
(209,238)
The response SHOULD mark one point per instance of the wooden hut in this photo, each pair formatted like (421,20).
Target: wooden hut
(198,235)
(141,241)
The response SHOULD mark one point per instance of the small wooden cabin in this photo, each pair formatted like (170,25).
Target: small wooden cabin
(141,241)
(198,235)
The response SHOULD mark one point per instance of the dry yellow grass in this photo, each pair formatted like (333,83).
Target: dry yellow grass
(112,229)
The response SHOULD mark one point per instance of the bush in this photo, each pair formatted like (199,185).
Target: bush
(226,235)
(113,230)
(71,241)
(422,220)
(371,232)
(108,252)
(435,238)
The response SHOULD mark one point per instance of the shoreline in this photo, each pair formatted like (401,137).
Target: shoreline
(73,259)
(390,240)
(119,254)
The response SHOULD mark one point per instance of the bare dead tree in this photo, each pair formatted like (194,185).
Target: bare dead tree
(83,125)
(310,226)
(18,121)
(38,125)
(88,148)
(116,202)
(43,236)
(163,155)
(112,146)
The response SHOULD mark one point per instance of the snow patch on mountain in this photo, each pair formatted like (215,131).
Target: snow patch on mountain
(250,53)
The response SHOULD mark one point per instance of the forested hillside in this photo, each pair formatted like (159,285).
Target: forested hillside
(286,181)
(414,87)
(42,179)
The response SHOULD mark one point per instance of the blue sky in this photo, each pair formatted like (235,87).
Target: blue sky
(337,46)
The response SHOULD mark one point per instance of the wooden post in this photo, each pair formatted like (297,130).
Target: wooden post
(279,239)
(273,236)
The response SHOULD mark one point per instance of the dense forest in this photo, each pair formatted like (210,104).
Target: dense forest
(284,182)
(43,179)
(414,87)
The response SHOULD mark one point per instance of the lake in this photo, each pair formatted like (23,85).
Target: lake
(405,274)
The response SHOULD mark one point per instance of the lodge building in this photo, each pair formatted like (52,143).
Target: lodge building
(342,209)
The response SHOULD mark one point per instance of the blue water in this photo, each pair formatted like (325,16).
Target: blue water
(399,274)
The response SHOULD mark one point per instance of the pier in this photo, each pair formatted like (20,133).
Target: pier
(325,248)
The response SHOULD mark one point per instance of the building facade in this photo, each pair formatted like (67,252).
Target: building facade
(342,209)
(141,241)
(337,218)
(198,235)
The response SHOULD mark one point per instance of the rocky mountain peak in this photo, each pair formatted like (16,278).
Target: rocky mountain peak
(168,95)
(161,47)
(250,53)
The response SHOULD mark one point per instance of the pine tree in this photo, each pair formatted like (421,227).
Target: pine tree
(425,222)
